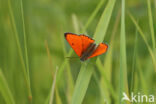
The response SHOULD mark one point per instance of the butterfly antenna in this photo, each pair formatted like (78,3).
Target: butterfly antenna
(71,58)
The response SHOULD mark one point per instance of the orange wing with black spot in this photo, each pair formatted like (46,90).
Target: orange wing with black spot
(101,48)
(75,42)
(79,43)
(86,41)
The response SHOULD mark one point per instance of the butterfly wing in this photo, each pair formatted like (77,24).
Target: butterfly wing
(75,42)
(101,48)
(86,41)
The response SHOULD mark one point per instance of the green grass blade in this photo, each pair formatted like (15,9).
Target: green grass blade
(106,72)
(75,23)
(19,50)
(49,58)
(4,90)
(63,65)
(141,77)
(123,61)
(58,99)
(151,23)
(104,21)
(51,94)
(133,63)
(53,88)
(105,81)
(82,83)
(107,90)
(145,40)
(26,50)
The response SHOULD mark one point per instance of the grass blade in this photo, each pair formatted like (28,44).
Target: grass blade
(105,81)
(51,94)
(104,21)
(107,89)
(53,88)
(75,23)
(81,84)
(58,99)
(60,71)
(133,63)
(123,61)
(49,57)
(151,23)
(145,40)
(26,50)
(20,50)
(141,77)
(4,90)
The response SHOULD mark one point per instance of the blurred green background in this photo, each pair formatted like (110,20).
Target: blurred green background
(32,47)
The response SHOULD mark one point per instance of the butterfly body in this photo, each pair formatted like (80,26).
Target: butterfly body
(88,52)
(84,46)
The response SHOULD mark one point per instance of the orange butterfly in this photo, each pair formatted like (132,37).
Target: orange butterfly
(84,46)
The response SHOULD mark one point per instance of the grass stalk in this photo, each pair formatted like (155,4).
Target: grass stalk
(58,99)
(53,88)
(106,80)
(49,57)
(63,65)
(81,84)
(26,50)
(133,63)
(19,50)
(51,94)
(151,23)
(123,61)
(145,40)
(107,89)
(75,23)
(103,22)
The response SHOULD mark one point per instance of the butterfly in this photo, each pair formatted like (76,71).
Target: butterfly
(84,46)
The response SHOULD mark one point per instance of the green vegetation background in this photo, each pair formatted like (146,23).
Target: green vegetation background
(33,51)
